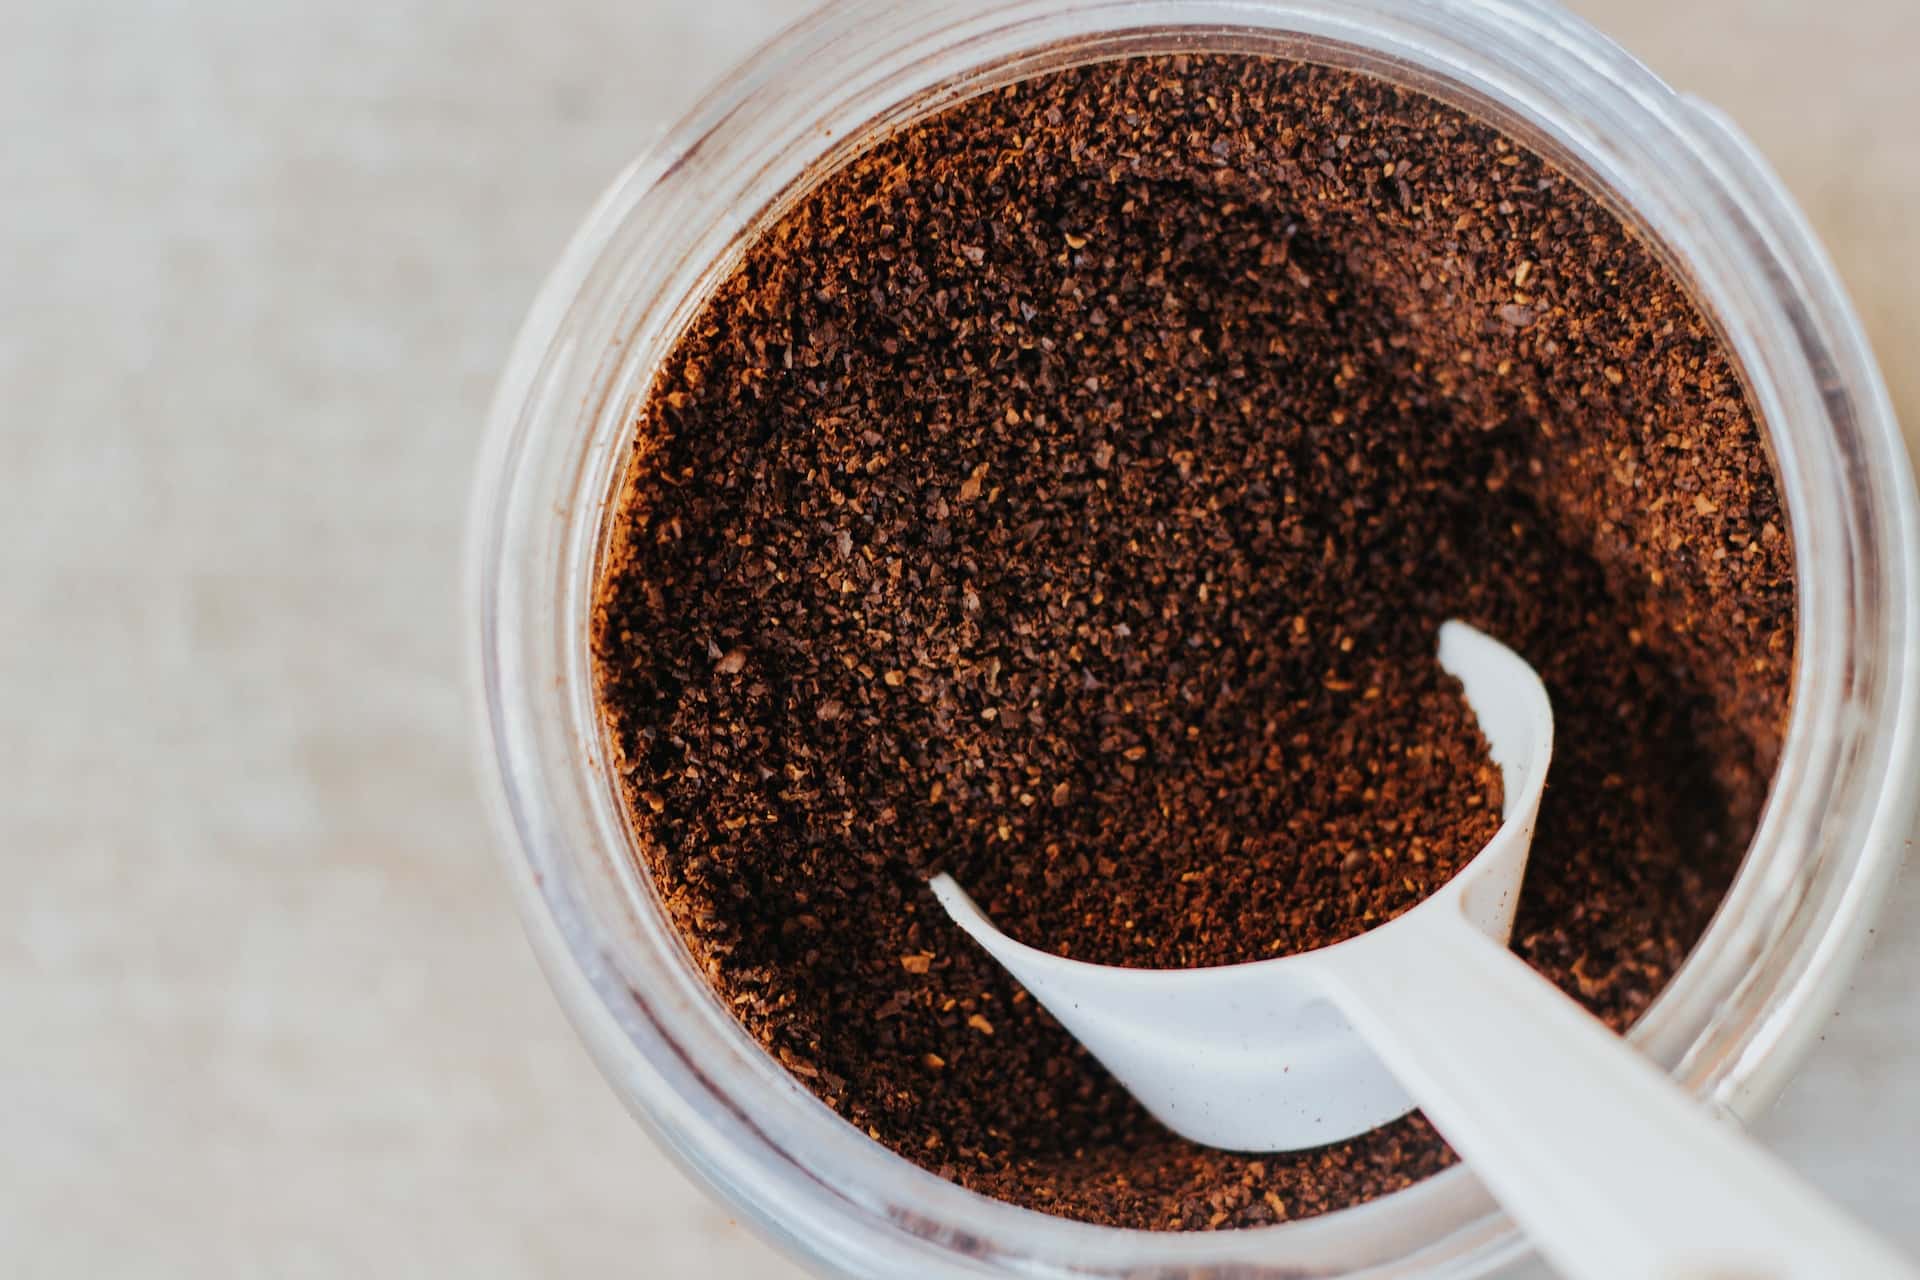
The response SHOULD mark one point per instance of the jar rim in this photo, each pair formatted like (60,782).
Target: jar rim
(1744,1004)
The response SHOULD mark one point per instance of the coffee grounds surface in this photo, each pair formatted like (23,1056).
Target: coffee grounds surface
(1066,494)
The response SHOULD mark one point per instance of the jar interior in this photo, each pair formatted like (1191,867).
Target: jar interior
(1750,774)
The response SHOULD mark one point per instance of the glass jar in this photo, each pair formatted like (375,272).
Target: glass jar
(1753,993)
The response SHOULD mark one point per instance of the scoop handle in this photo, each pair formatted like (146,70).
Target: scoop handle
(1610,1168)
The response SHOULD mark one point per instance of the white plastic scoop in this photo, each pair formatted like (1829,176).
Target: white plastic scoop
(1612,1170)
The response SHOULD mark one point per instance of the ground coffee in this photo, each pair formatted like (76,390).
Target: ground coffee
(1066,494)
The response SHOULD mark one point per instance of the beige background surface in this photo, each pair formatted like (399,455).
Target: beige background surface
(266,1009)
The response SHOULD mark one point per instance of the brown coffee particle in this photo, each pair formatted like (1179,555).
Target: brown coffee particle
(1066,494)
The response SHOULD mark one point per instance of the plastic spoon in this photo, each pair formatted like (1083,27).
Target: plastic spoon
(1612,1170)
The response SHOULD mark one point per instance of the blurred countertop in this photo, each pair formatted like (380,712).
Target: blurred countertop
(268,1009)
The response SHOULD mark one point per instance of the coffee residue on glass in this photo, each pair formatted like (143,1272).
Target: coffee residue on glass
(1066,494)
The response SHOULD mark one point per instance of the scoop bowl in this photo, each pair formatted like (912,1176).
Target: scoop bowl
(1260,1056)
